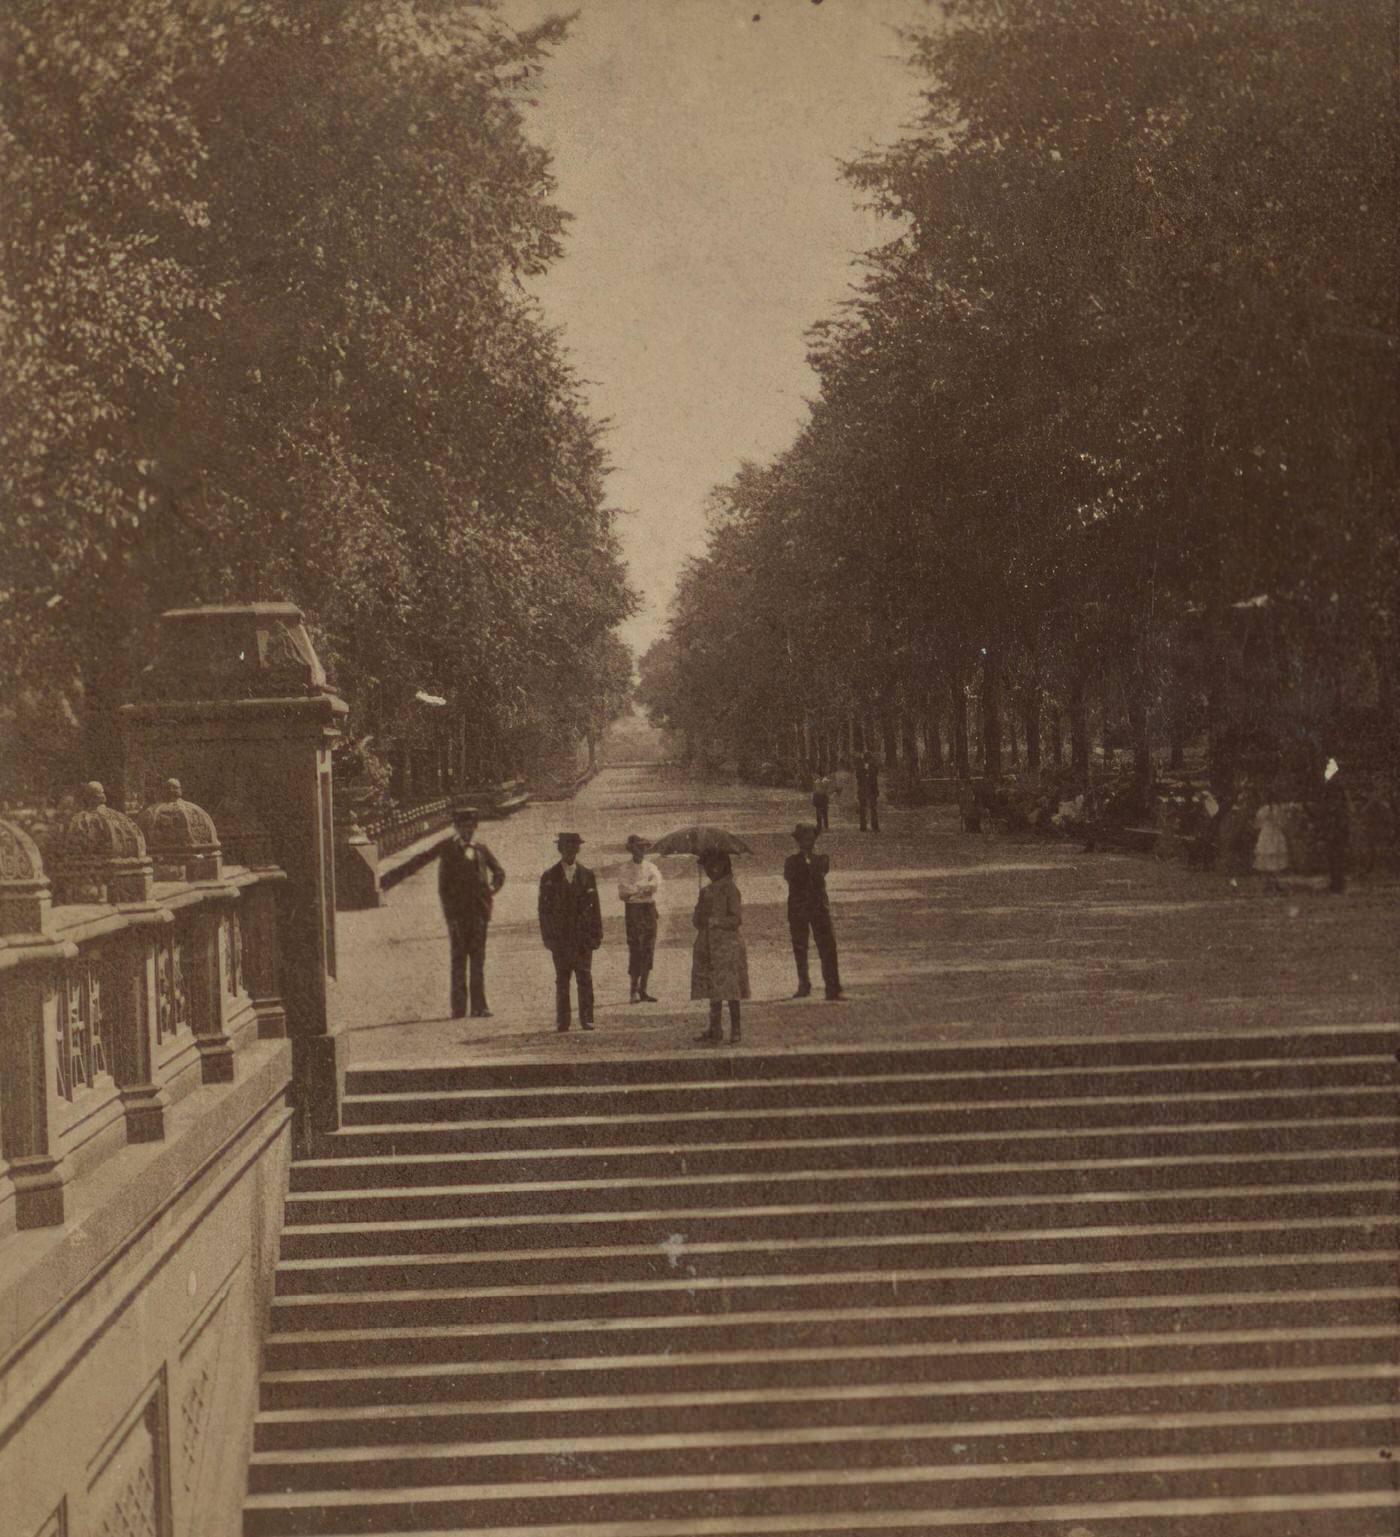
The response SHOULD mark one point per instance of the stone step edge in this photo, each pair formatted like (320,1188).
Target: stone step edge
(488,1092)
(830,1208)
(943,1349)
(1378,1123)
(712,1483)
(847,1175)
(829,1435)
(792,1317)
(915,1523)
(1291,1262)
(878,1240)
(1372,1372)
(1376,1092)
(1173,1038)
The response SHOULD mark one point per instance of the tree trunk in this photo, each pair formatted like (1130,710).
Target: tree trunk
(1078,729)
(957,700)
(909,751)
(1057,740)
(1031,721)
(889,736)
(991,715)
(933,741)
(1141,744)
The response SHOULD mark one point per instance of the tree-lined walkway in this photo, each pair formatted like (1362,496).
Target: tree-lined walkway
(944,937)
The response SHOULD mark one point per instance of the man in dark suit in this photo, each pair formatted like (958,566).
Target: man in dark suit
(868,791)
(1336,825)
(809,912)
(469,876)
(571,925)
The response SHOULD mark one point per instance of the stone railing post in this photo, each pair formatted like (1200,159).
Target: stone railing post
(30,1103)
(184,845)
(131,1003)
(235,702)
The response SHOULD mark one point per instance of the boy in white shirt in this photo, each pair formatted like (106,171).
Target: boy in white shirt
(638,886)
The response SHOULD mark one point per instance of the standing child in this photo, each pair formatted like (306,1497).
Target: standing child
(719,968)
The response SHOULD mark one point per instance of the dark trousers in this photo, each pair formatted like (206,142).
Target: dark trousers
(468,949)
(1337,864)
(567,964)
(821,804)
(869,806)
(641,938)
(819,927)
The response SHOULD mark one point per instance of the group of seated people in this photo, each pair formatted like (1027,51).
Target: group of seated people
(1180,819)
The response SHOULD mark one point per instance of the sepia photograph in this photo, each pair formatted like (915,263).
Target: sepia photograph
(699,768)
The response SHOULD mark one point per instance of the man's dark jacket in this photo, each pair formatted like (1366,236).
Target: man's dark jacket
(806,884)
(571,919)
(465,886)
(867,779)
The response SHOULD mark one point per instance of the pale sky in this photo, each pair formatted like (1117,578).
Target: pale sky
(697,149)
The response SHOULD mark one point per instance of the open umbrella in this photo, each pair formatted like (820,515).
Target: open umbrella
(700,839)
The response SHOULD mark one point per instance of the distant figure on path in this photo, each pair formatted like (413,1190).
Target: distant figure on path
(821,801)
(719,966)
(638,886)
(809,913)
(1271,843)
(571,925)
(1336,825)
(868,791)
(469,876)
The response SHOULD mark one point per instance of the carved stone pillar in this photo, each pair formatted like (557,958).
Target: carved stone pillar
(236,703)
(30,1103)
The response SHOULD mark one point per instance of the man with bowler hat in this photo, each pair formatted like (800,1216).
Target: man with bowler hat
(571,925)
(469,876)
(809,913)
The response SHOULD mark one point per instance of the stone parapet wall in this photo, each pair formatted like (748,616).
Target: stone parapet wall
(129,1336)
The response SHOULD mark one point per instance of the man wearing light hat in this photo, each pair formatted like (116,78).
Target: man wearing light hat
(469,876)
(571,926)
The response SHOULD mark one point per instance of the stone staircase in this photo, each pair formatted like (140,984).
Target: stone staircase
(1128,1288)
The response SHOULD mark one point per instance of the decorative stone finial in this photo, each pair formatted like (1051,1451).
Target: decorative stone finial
(181,838)
(99,855)
(24,891)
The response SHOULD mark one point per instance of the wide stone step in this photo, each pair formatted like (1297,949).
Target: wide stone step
(464,1378)
(806,1092)
(1167,1242)
(858,1493)
(1091,1052)
(1002,1286)
(1129,1396)
(848,1186)
(689,1453)
(912,1120)
(309,1349)
(343,1168)
(673,1231)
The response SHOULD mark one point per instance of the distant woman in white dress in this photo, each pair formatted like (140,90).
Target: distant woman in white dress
(1271,844)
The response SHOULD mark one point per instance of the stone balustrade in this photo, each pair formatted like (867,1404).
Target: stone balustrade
(134,966)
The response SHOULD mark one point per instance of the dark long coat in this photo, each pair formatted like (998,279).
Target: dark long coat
(467,886)
(571,918)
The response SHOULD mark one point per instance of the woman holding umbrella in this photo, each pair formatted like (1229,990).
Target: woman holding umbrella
(719,969)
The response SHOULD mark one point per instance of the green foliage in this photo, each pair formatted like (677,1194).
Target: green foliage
(266,336)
